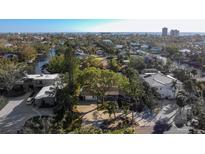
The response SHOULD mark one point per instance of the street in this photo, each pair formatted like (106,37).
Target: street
(16,113)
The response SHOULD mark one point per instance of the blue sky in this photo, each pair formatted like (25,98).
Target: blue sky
(50,25)
(98,25)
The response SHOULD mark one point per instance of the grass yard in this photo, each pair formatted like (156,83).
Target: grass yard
(3,102)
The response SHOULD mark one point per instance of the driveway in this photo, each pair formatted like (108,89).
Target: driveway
(16,113)
(163,121)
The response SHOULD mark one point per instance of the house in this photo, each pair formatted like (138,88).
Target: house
(150,70)
(126,61)
(135,44)
(165,85)
(9,55)
(145,47)
(152,58)
(140,52)
(184,52)
(80,54)
(100,53)
(37,81)
(112,94)
(162,60)
(108,42)
(118,46)
(155,50)
(47,95)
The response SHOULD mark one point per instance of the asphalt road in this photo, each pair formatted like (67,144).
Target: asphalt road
(16,113)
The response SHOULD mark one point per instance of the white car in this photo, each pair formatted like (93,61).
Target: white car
(30,100)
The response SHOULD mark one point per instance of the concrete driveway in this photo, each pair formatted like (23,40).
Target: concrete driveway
(163,121)
(16,113)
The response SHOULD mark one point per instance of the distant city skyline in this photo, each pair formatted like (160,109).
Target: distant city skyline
(98,25)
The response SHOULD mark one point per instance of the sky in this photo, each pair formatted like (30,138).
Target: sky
(98,25)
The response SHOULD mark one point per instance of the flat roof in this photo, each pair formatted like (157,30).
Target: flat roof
(42,76)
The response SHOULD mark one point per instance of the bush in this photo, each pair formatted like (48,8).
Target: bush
(88,130)
(3,102)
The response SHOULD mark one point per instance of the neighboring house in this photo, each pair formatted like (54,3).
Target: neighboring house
(140,52)
(151,58)
(80,54)
(111,95)
(118,46)
(47,95)
(100,53)
(135,44)
(108,42)
(126,61)
(150,70)
(162,60)
(145,47)
(34,81)
(9,55)
(185,52)
(155,50)
(164,84)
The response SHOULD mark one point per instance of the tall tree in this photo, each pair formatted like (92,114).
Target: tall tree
(72,66)
(134,89)
(10,72)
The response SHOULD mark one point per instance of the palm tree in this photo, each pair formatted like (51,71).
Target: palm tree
(110,108)
(190,87)
(181,100)
(174,86)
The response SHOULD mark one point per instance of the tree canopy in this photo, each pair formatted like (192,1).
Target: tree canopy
(98,81)
(10,72)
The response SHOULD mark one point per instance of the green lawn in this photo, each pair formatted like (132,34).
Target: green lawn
(3,102)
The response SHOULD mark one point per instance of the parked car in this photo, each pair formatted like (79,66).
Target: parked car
(30,100)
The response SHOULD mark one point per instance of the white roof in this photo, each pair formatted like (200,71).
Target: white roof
(42,76)
(118,46)
(48,91)
(184,50)
(158,79)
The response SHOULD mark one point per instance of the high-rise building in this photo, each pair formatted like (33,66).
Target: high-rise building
(174,32)
(164,31)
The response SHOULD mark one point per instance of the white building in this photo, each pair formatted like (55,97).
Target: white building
(164,84)
(41,80)
(107,41)
(185,51)
(119,46)
(161,59)
(47,95)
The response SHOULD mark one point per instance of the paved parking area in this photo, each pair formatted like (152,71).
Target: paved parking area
(16,113)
